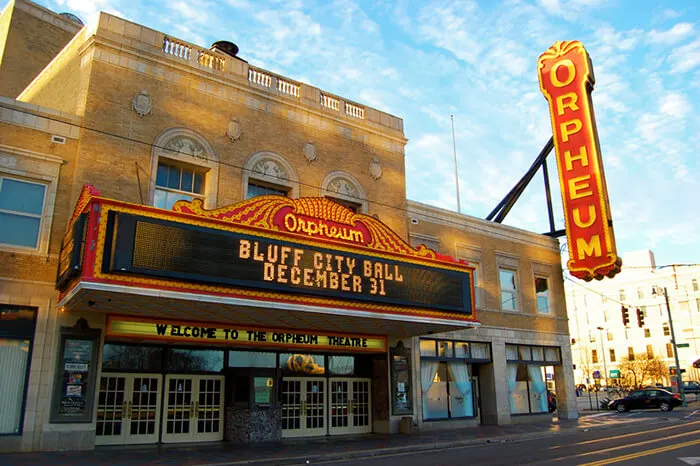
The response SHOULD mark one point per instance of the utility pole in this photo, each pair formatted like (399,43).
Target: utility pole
(679,375)
(454,153)
(605,367)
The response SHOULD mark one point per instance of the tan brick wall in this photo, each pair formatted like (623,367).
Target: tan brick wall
(477,235)
(29,44)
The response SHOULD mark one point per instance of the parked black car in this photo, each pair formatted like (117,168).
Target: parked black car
(645,399)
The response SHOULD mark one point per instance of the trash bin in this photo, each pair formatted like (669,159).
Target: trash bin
(406,426)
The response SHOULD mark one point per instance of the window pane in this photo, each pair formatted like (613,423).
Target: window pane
(21,196)
(173,177)
(461,349)
(162,175)
(263,389)
(507,279)
(131,358)
(481,351)
(13,366)
(159,199)
(445,349)
(172,198)
(517,388)
(19,230)
(341,365)
(186,184)
(195,360)
(542,290)
(251,359)
(511,352)
(427,348)
(198,183)
(255,190)
(434,380)
(310,364)
(551,354)
(538,353)
(508,300)
(525,353)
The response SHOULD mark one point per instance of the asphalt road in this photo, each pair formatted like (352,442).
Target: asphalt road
(638,438)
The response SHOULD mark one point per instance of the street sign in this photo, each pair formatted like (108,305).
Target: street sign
(596,374)
(614,374)
(683,345)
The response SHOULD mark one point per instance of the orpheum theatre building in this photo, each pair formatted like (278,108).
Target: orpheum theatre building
(194,249)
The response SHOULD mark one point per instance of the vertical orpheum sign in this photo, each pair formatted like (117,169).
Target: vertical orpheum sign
(566,80)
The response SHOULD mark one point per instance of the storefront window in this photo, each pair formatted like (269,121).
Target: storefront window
(188,360)
(307,364)
(526,377)
(263,389)
(447,390)
(16,334)
(427,348)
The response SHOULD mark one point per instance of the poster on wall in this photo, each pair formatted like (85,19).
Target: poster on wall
(401,381)
(76,372)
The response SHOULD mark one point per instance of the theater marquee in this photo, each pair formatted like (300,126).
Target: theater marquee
(566,80)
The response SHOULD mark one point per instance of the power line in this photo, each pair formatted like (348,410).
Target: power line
(231,165)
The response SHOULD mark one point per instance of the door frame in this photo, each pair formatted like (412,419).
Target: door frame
(351,428)
(303,431)
(193,418)
(126,438)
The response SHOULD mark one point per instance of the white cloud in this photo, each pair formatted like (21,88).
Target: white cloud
(675,105)
(676,34)
(686,57)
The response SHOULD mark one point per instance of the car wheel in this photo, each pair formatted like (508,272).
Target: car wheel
(665,406)
(621,408)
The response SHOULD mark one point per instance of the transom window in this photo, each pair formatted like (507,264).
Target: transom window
(176,182)
(542,290)
(509,296)
(354,206)
(21,209)
(255,190)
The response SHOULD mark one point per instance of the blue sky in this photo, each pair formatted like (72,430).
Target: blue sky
(425,60)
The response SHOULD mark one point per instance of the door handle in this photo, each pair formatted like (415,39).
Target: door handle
(125,412)
(196,409)
(192,409)
(128,414)
(303,407)
(351,406)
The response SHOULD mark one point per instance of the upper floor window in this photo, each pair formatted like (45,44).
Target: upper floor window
(267,173)
(647,333)
(183,167)
(21,210)
(630,353)
(509,292)
(256,189)
(695,284)
(650,351)
(346,190)
(542,291)
(640,292)
(623,297)
(175,182)
(612,355)
(594,356)
(478,300)
(667,331)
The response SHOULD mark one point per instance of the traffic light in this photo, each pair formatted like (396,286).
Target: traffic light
(625,316)
(640,318)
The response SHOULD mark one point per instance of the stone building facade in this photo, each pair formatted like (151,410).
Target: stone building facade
(126,122)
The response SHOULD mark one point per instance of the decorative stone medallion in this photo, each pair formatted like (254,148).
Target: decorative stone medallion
(233,129)
(375,169)
(310,151)
(141,103)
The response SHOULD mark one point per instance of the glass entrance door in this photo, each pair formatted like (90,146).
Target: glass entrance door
(303,407)
(128,409)
(350,406)
(194,408)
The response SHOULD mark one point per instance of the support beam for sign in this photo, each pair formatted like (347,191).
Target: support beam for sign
(503,208)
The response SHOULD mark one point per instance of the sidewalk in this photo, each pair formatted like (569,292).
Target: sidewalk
(294,451)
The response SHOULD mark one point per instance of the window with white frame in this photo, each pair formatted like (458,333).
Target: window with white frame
(509,292)
(21,210)
(176,181)
(542,291)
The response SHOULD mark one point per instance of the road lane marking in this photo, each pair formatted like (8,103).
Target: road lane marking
(587,442)
(697,411)
(641,453)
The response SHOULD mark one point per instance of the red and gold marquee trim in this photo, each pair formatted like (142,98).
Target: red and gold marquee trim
(566,80)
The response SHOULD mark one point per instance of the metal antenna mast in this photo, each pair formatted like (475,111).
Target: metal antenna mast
(454,152)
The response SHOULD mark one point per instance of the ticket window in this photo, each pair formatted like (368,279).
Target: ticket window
(251,379)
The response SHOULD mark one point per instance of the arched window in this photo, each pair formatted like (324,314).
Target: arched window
(269,173)
(344,189)
(183,166)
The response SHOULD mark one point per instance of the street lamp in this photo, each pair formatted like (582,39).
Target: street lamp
(656,290)
(605,367)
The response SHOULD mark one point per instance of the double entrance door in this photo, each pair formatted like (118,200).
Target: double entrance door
(319,406)
(147,408)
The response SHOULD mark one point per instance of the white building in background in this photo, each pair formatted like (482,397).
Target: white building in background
(600,339)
